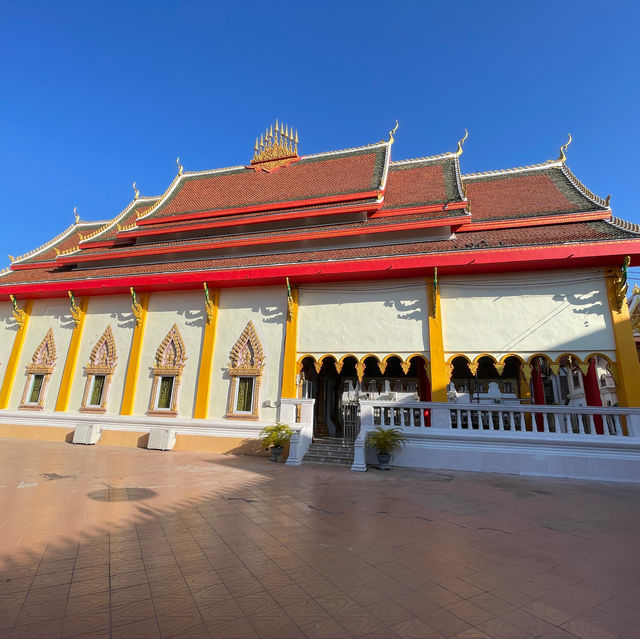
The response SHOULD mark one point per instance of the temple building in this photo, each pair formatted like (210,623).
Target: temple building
(334,291)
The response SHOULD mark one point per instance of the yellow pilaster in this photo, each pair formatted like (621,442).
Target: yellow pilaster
(62,402)
(131,379)
(440,370)
(201,410)
(627,364)
(289,370)
(14,357)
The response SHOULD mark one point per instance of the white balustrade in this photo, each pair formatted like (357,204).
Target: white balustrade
(524,419)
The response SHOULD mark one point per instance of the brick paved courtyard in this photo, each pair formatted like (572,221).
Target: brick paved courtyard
(99,542)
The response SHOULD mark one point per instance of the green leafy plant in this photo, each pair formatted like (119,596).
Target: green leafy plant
(275,435)
(386,440)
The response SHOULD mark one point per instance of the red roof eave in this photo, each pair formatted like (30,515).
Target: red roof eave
(543,220)
(597,254)
(271,206)
(256,241)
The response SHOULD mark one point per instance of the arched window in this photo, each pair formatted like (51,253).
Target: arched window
(99,371)
(167,371)
(39,373)
(246,362)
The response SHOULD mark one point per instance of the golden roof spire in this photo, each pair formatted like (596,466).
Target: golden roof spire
(136,192)
(461,142)
(75,214)
(563,157)
(180,167)
(391,138)
(274,150)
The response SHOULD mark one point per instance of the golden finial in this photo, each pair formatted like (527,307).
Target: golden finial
(180,167)
(12,259)
(136,192)
(75,214)
(391,138)
(563,157)
(458,151)
(275,149)
(607,200)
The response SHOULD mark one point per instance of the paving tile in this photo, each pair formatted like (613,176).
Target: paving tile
(408,557)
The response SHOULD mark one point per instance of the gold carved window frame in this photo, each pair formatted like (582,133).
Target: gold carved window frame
(102,361)
(42,363)
(169,361)
(246,360)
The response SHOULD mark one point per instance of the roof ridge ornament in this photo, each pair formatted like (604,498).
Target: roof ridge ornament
(75,214)
(563,156)
(461,141)
(136,192)
(274,150)
(391,138)
(180,167)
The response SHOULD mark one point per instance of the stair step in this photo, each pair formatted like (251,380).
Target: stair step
(313,459)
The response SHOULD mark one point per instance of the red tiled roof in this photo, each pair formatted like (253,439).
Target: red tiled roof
(422,182)
(127,217)
(549,235)
(349,172)
(67,240)
(527,193)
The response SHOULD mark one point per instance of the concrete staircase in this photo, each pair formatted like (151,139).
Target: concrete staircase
(328,450)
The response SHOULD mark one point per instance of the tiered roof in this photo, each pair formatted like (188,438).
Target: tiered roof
(351,213)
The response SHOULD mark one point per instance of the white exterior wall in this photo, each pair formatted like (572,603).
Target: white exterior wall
(113,310)
(527,313)
(266,308)
(8,330)
(46,314)
(186,310)
(383,317)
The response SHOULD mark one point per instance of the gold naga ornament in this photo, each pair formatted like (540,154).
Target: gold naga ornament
(19,314)
(76,311)
(275,149)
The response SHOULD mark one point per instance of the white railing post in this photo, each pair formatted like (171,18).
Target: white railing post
(360,444)
(441,416)
(297,413)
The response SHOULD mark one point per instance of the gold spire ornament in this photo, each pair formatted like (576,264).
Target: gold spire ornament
(276,147)
(136,192)
(11,258)
(75,214)
(563,156)
(458,151)
(180,167)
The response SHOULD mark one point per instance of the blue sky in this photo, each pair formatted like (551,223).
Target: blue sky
(97,95)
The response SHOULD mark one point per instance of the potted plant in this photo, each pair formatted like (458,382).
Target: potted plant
(275,437)
(386,441)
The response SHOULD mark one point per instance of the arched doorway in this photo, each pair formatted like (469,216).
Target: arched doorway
(338,387)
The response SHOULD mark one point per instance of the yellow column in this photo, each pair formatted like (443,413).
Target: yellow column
(627,364)
(14,357)
(72,357)
(206,359)
(289,369)
(131,379)
(440,370)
